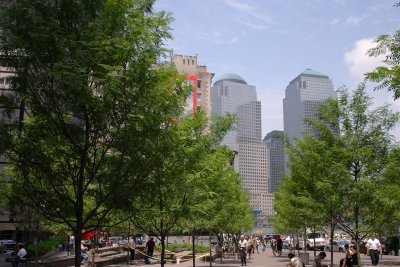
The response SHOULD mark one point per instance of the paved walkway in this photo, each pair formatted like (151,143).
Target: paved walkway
(268,260)
(257,260)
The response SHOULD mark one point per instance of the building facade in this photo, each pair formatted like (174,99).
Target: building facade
(200,78)
(7,226)
(231,94)
(303,96)
(274,141)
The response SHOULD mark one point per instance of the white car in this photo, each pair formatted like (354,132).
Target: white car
(338,246)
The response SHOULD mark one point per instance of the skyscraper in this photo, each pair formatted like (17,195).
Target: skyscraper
(231,94)
(274,141)
(303,96)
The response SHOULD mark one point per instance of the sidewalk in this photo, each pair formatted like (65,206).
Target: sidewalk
(268,260)
(257,260)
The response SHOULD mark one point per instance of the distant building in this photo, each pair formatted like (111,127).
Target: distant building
(7,226)
(200,79)
(231,94)
(303,96)
(274,141)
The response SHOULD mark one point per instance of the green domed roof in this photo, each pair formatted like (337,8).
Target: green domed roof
(232,78)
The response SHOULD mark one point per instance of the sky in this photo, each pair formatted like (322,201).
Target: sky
(270,42)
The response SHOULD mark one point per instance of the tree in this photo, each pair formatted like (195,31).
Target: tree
(342,161)
(385,218)
(189,160)
(95,103)
(389,75)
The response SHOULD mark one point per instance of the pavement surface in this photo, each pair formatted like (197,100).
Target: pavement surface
(257,260)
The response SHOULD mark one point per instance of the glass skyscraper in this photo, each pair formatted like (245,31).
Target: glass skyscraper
(303,96)
(231,94)
(274,141)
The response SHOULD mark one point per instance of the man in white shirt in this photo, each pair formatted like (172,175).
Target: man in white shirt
(19,257)
(374,250)
(242,244)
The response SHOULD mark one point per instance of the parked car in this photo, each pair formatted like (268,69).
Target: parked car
(320,242)
(8,244)
(338,246)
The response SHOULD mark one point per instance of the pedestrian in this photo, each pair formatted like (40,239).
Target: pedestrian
(318,260)
(84,253)
(273,246)
(150,244)
(350,257)
(294,261)
(19,255)
(279,245)
(374,250)
(242,244)
(249,246)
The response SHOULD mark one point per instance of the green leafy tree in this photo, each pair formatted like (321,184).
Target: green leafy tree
(189,157)
(388,75)
(341,163)
(95,103)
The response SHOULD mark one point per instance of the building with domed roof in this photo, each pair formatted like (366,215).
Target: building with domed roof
(231,94)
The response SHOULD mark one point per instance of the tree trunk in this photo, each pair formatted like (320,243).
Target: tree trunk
(162,239)
(210,250)
(78,239)
(193,251)
(331,239)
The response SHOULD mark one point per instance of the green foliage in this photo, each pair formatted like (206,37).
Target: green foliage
(43,247)
(336,172)
(388,75)
(96,104)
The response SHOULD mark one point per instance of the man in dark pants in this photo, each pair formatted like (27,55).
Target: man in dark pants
(374,250)
(150,249)
(242,244)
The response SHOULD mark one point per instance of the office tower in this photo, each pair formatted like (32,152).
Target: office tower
(274,141)
(199,77)
(303,96)
(231,94)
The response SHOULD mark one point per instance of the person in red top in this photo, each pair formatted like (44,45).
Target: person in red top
(150,246)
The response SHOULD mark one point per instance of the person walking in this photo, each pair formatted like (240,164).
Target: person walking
(318,260)
(242,249)
(150,244)
(374,250)
(249,246)
(279,245)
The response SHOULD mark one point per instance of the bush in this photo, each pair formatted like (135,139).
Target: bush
(44,247)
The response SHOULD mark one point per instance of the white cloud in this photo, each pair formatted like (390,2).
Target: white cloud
(216,37)
(255,26)
(353,20)
(334,21)
(358,61)
(261,20)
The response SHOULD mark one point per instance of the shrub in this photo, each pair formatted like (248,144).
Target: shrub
(44,247)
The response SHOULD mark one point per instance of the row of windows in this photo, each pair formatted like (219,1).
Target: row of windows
(188,61)
(5,81)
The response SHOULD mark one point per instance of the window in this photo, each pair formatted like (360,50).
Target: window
(198,83)
(183,61)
